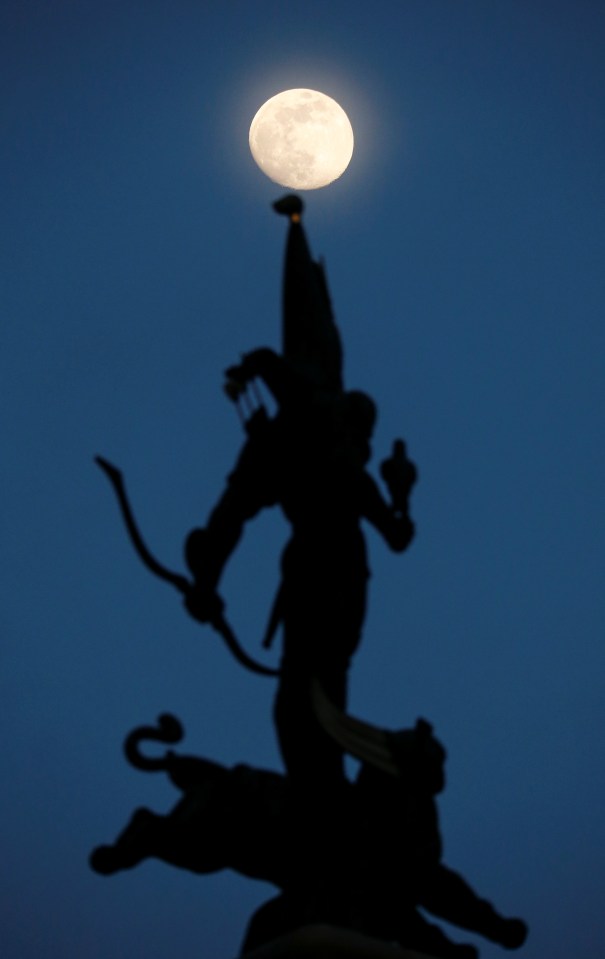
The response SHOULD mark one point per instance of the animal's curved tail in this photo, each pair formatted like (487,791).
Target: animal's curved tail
(167,730)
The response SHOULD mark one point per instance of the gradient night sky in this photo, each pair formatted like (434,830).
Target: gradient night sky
(464,249)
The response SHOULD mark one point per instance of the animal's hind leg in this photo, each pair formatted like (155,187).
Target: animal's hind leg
(137,842)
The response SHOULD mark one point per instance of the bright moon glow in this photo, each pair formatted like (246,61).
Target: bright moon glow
(301,139)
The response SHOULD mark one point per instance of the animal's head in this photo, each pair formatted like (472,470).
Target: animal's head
(418,755)
(413,756)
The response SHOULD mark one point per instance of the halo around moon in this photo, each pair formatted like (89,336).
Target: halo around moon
(301,139)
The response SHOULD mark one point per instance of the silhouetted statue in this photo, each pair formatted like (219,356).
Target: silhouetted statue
(361,856)
(367,863)
(310,459)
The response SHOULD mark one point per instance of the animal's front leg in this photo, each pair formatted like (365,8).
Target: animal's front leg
(418,934)
(448,896)
(141,839)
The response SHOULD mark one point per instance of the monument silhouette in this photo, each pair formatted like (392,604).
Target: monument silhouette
(355,863)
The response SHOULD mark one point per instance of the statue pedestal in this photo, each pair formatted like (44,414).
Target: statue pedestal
(327,942)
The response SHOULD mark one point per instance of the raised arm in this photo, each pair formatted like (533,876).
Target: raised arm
(392,520)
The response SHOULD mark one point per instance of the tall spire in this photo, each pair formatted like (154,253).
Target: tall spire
(310,337)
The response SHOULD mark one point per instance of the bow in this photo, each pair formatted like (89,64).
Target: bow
(184,586)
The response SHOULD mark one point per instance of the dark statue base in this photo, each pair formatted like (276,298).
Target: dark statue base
(329,942)
(364,856)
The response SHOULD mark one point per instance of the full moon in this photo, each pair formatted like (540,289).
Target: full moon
(301,139)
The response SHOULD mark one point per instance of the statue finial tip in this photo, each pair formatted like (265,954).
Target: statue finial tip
(290,205)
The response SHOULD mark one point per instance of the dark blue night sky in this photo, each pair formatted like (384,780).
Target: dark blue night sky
(464,250)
